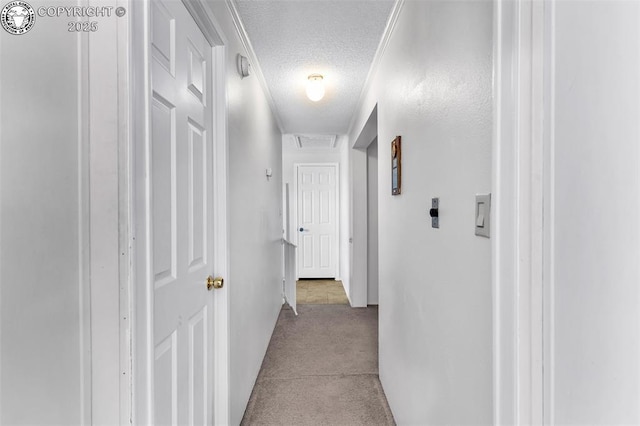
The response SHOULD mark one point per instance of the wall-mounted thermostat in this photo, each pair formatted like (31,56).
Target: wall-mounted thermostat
(483,215)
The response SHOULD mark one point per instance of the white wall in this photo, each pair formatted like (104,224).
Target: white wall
(59,192)
(255,221)
(594,190)
(433,87)
(358,223)
(43,308)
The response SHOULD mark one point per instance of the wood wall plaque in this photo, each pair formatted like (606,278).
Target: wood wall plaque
(396,166)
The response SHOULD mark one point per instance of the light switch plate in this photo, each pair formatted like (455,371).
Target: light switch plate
(483,215)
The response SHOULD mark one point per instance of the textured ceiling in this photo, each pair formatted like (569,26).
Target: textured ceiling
(295,38)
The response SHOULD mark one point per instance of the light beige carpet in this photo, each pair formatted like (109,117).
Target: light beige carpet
(320,292)
(321,368)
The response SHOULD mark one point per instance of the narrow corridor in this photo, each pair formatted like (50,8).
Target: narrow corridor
(321,368)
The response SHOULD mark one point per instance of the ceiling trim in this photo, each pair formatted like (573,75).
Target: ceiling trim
(253,60)
(384,42)
(201,13)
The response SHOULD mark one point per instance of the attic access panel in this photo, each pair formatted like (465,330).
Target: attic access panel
(315,141)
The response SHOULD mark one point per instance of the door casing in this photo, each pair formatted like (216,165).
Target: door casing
(518,231)
(359,222)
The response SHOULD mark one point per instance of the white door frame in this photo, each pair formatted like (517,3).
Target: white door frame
(359,268)
(140,306)
(518,181)
(296,166)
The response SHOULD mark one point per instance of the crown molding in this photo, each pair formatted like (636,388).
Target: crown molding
(206,21)
(253,60)
(373,69)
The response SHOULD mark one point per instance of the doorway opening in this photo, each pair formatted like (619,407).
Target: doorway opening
(364,215)
(372,223)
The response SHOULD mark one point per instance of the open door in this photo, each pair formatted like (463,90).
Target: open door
(288,255)
(178,226)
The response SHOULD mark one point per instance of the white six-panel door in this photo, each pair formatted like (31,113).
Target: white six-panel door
(317,221)
(178,218)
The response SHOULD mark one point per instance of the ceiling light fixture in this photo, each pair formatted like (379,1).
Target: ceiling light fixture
(315,87)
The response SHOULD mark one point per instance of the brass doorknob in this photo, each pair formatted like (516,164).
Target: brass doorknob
(212,283)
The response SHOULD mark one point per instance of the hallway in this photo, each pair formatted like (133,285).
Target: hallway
(321,367)
(472,167)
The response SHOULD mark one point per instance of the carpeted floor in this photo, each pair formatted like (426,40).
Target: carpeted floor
(321,368)
(320,292)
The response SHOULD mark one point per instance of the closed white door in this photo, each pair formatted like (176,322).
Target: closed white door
(179,219)
(317,227)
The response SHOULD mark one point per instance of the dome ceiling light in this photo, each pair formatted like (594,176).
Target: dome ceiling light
(315,87)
